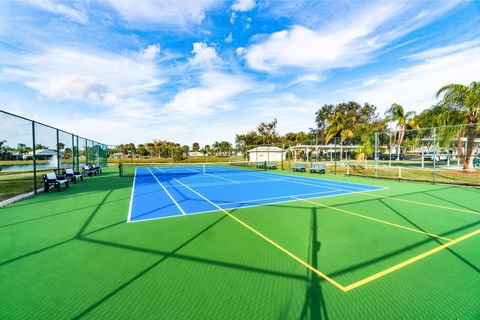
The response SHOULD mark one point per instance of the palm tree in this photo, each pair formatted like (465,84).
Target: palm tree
(337,128)
(465,102)
(365,132)
(397,114)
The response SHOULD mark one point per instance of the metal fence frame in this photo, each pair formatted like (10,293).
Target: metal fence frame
(95,152)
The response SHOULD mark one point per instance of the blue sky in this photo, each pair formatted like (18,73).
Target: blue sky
(132,71)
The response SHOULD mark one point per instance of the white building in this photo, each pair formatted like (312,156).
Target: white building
(195,154)
(268,154)
(43,154)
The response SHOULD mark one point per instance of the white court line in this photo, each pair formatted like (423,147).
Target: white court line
(213,184)
(346,192)
(329,182)
(305,183)
(131,197)
(224,203)
(201,196)
(168,193)
(226,179)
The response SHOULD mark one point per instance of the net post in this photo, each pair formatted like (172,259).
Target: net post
(399,173)
(120,169)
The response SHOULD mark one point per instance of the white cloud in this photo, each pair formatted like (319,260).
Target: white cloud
(204,55)
(233,17)
(72,12)
(243,5)
(229,39)
(415,87)
(240,51)
(150,53)
(302,47)
(170,12)
(437,52)
(308,78)
(214,94)
(101,78)
(348,42)
(293,113)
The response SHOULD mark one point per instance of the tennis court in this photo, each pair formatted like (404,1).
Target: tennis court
(162,191)
(325,247)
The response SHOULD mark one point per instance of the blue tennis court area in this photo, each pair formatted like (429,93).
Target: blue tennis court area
(161,193)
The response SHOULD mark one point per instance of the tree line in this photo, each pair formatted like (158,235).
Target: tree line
(167,149)
(348,123)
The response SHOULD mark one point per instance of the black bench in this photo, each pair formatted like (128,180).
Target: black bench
(51,179)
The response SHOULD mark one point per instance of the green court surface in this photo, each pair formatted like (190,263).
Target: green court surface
(409,251)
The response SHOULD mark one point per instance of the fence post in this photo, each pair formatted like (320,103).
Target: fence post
(283,148)
(73,152)
(335,148)
(375,155)
(390,149)
(58,152)
(34,155)
(434,153)
(289,155)
(78,156)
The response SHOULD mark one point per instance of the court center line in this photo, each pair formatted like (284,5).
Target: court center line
(410,261)
(323,182)
(423,203)
(273,243)
(168,193)
(282,197)
(309,184)
(220,183)
(218,177)
(374,219)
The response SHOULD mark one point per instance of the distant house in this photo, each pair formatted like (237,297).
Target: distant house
(117,155)
(195,154)
(259,154)
(15,155)
(43,154)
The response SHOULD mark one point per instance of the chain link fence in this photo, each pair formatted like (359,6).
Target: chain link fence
(449,155)
(28,149)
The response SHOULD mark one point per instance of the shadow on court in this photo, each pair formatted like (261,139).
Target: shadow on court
(314,305)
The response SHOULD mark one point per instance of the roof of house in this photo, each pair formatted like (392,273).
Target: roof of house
(44,152)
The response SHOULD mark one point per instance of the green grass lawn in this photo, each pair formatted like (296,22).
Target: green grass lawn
(71,254)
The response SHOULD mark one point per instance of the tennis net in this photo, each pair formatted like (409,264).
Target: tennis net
(132,169)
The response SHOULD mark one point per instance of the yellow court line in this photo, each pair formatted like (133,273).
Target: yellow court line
(422,203)
(273,243)
(410,261)
(374,219)
(321,274)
